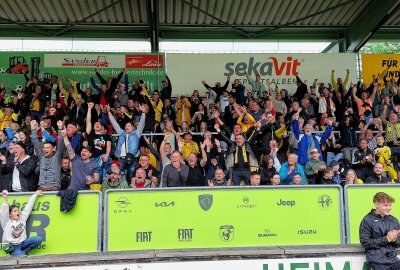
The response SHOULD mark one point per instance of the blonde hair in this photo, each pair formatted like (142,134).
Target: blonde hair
(355,176)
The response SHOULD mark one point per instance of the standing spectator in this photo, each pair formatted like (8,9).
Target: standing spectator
(308,140)
(166,91)
(22,168)
(84,170)
(339,85)
(128,141)
(379,238)
(99,141)
(196,168)
(240,160)
(176,173)
(65,173)
(49,159)
(182,111)
(257,84)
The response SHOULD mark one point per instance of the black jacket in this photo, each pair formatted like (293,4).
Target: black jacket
(27,177)
(373,179)
(373,231)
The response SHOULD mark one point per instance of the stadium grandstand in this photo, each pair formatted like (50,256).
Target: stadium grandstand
(201,143)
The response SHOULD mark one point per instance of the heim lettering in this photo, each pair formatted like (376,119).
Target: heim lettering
(267,68)
(143,236)
(185,235)
(310,266)
(286,203)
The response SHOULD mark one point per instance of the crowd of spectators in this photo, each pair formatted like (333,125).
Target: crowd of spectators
(115,133)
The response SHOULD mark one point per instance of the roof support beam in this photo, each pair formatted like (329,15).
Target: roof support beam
(152,11)
(240,31)
(69,26)
(268,30)
(366,25)
(26,26)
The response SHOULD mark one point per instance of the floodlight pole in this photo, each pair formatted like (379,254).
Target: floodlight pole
(153,8)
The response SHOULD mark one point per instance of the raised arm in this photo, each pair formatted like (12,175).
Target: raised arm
(374,91)
(89,118)
(35,141)
(114,122)
(4,210)
(142,121)
(70,150)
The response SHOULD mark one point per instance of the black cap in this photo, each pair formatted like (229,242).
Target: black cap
(20,143)
(87,148)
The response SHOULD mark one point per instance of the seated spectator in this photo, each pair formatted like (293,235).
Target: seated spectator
(351,178)
(363,159)
(297,179)
(84,170)
(176,173)
(219,179)
(325,177)
(267,170)
(114,181)
(140,180)
(276,180)
(151,172)
(377,177)
(314,166)
(288,170)
(335,166)
(255,179)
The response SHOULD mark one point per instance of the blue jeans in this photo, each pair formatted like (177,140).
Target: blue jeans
(237,176)
(331,156)
(102,167)
(27,245)
(129,169)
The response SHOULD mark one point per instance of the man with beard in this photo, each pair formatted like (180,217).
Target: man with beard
(176,173)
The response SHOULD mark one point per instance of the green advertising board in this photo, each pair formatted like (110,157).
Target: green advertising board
(359,203)
(72,232)
(222,217)
(80,66)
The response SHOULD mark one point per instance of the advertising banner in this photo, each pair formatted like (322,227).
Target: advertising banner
(359,203)
(331,263)
(186,71)
(180,219)
(72,232)
(79,66)
(374,64)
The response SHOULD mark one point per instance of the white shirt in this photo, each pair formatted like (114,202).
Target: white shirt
(124,145)
(16,184)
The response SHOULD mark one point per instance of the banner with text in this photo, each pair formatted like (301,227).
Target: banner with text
(80,66)
(180,219)
(359,203)
(186,71)
(374,64)
(72,232)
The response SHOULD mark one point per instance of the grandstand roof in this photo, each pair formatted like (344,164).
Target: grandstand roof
(349,23)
